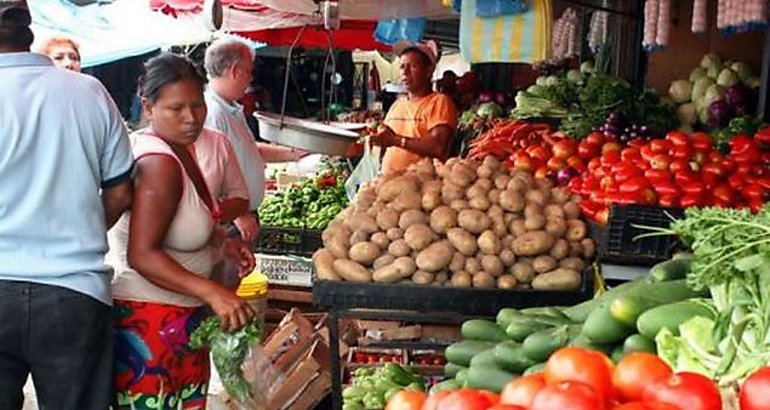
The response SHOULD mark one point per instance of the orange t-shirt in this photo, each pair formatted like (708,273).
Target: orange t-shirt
(415,119)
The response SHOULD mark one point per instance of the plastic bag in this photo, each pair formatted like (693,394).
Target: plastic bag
(393,31)
(366,170)
(262,377)
(495,8)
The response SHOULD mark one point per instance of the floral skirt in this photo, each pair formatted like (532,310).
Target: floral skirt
(153,367)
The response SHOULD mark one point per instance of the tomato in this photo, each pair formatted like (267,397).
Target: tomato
(669,201)
(611,146)
(564,148)
(657,175)
(506,407)
(660,161)
(683,152)
(596,138)
(522,390)
(735,181)
(677,138)
(688,201)
(756,205)
(727,164)
(635,371)
(684,177)
(581,365)
(542,172)
(634,405)
(493,398)
(699,157)
(723,195)
(665,188)
(522,161)
(647,153)
(630,154)
(632,185)
(755,391)
(570,395)
(576,163)
(623,171)
(610,157)
(701,141)
(694,188)
(407,400)
(589,208)
(431,403)
(686,391)
(538,151)
(677,165)
(714,170)
(587,150)
(660,146)
(754,190)
(555,163)
(465,399)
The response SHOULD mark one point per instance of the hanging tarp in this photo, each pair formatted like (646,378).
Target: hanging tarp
(352,35)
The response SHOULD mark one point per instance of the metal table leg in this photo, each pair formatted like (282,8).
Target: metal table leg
(334,349)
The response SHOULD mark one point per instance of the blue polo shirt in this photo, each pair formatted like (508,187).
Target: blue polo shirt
(62,139)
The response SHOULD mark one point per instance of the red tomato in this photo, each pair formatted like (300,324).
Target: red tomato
(542,172)
(610,157)
(633,185)
(657,175)
(669,201)
(694,188)
(735,181)
(465,399)
(754,190)
(665,188)
(594,164)
(623,171)
(723,195)
(701,141)
(755,391)
(522,390)
(431,403)
(647,152)
(677,138)
(596,138)
(587,150)
(590,208)
(581,365)
(634,405)
(756,205)
(576,163)
(660,161)
(611,146)
(684,177)
(493,398)
(556,163)
(507,407)
(635,371)
(660,146)
(686,391)
(407,400)
(630,154)
(699,157)
(538,151)
(677,165)
(637,143)
(564,148)
(522,161)
(714,169)
(683,152)
(570,395)
(727,164)
(688,201)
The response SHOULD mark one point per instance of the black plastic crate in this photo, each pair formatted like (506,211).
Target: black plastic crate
(340,295)
(291,241)
(617,244)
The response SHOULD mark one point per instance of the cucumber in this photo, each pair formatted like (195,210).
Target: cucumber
(510,356)
(582,341)
(538,368)
(601,327)
(555,312)
(539,345)
(451,369)
(488,378)
(638,343)
(675,268)
(617,354)
(462,352)
(522,326)
(626,309)
(449,384)
(482,329)
(505,315)
(671,316)
(462,376)
(485,359)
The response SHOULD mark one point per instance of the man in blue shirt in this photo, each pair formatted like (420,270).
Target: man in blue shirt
(65,178)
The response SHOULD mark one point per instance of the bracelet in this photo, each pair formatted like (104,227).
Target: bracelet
(402,142)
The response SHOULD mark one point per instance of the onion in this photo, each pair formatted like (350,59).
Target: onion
(565,175)
(486,96)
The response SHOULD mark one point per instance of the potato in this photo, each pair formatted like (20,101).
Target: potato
(517,228)
(572,210)
(450,192)
(423,278)
(484,171)
(396,187)
(532,208)
(534,222)
(560,195)
(435,257)
(560,249)
(575,249)
(553,211)
(412,217)
(489,243)
(461,280)
(401,268)
(508,241)
(442,219)
(576,230)
(556,226)
(507,257)
(480,202)
(339,247)
(364,253)
(491,162)
(385,259)
(473,221)
(372,210)
(533,243)
(517,184)
(573,263)
(352,271)
(380,239)
(485,184)
(499,228)
(431,200)
(501,181)
(461,178)
(472,265)
(399,248)
(419,236)
(536,196)
(589,248)
(459,204)
(557,279)
(440,279)
(394,233)
(523,272)
(476,191)
(544,263)
(506,281)
(496,212)
(512,201)
(483,280)
(362,221)
(323,260)
(387,219)
(492,265)
(508,218)
(424,165)
(359,236)
(494,196)
(544,184)
(463,241)
(458,262)
(406,201)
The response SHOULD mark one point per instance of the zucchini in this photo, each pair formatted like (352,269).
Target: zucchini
(482,329)
(451,369)
(488,378)
(449,384)
(485,359)
(505,315)
(539,345)
(510,356)
(671,316)
(462,352)
(638,343)
(626,309)
(601,327)
(538,368)
(673,269)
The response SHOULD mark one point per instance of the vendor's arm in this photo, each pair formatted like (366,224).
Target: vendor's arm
(433,145)
(157,191)
(278,153)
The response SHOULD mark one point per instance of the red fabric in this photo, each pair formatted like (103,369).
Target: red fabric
(197,5)
(352,35)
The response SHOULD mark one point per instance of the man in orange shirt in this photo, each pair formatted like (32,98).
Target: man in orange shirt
(422,123)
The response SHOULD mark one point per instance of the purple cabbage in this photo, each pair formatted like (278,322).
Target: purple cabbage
(720,113)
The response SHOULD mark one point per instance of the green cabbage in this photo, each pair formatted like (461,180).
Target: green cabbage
(680,91)
(687,113)
(700,87)
(710,61)
(535,89)
(574,76)
(489,110)
(727,78)
(742,69)
(713,93)
(697,74)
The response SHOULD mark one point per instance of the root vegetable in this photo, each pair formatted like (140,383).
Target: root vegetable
(512,201)
(419,236)
(484,171)
(483,280)
(461,280)
(556,226)
(537,196)
(532,209)
(459,204)
(544,263)
(412,217)
(560,195)
(323,260)
(489,243)
(553,211)
(362,221)
(573,263)
(492,265)
(575,249)
(434,258)
(396,187)
(387,219)
(364,253)
(534,222)
(557,279)
(401,268)
(480,203)
(359,236)
(523,272)
(506,281)
(339,247)
(496,213)
(484,183)
(380,239)
(501,181)
(560,249)
(472,265)
(473,221)
(394,233)
(533,243)
(440,279)
(450,192)
(576,230)
(461,178)
(399,248)
(589,248)
(544,185)
(508,241)
(383,260)
(477,190)
(406,201)
(458,262)
(442,219)
(423,278)
(463,241)
(494,196)
(507,257)
(517,228)
(499,228)
(517,185)
(572,210)
(352,271)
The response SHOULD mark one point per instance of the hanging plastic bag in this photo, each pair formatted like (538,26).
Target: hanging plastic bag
(393,31)
(495,8)
(366,170)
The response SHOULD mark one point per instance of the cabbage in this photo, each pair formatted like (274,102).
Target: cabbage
(680,91)
(697,73)
(711,60)
(703,114)
(700,87)
(489,110)
(574,76)
(687,113)
(713,93)
(536,89)
(727,77)
(551,80)
(742,69)
(713,72)
(587,67)
(753,82)
(541,80)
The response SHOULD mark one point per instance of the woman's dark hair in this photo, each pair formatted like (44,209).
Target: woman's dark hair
(166,69)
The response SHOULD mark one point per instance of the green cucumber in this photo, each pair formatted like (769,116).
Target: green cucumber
(639,343)
(626,309)
(537,368)
(451,369)
(488,378)
(482,329)
(583,341)
(617,354)
(671,316)
(505,315)
(539,345)
(485,359)
(601,327)
(555,312)
(510,356)
(522,326)
(449,384)
(462,376)
(673,269)
(462,352)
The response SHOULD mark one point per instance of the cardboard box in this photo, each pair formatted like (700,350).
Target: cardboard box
(441,333)
(295,391)
(287,343)
(377,324)
(313,393)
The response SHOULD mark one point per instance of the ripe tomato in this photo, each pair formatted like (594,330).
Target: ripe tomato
(507,407)
(635,371)
(570,395)
(660,161)
(595,137)
(669,201)
(556,163)
(564,148)
(522,161)
(723,195)
(755,391)
(660,146)
(611,146)
(685,391)
(701,141)
(577,163)
(538,151)
(465,399)
(581,365)
(677,138)
(633,405)
(407,400)
(684,152)
(587,150)
(431,403)
(630,154)
(493,398)
(522,390)
(677,165)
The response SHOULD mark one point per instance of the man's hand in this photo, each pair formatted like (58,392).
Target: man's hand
(240,252)
(385,137)
(248,226)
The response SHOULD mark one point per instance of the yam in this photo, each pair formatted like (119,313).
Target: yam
(473,221)
(434,258)
(506,281)
(412,217)
(352,271)
(533,243)
(557,279)
(484,280)
(492,265)
(442,219)
(323,260)
(461,280)
(394,233)
(512,201)
(523,272)
(399,248)
(489,243)
(419,236)
(387,219)
(576,230)
(463,241)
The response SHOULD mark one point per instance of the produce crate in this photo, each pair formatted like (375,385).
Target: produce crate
(339,295)
(617,244)
(285,270)
(293,241)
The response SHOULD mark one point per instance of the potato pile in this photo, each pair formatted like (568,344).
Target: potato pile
(462,224)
